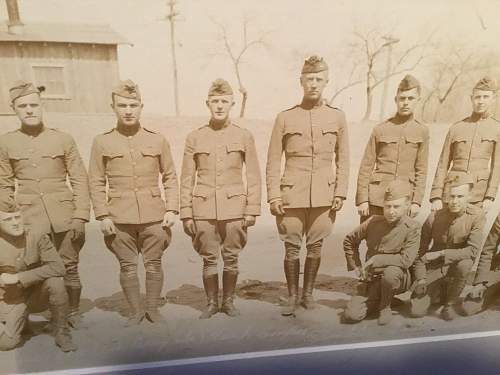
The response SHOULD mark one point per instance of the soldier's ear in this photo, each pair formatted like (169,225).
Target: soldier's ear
(206,102)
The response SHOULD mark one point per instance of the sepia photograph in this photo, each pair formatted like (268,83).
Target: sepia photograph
(189,183)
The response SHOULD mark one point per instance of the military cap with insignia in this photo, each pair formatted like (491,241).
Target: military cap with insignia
(220,87)
(409,82)
(127,89)
(486,84)
(397,189)
(23,88)
(314,64)
(461,179)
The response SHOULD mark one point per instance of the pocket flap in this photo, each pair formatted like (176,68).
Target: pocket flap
(459,138)
(66,196)
(483,174)
(287,181)
(235,147)
(388,138)
(150,151)
(376,177)
(292,130)
(233,191)
(489,137)
(330,128)
(53,154)
(114,194)
(24,200)
(19,155)
(201,150)
(201,191)
(414,139)
(112,155)
(155,192)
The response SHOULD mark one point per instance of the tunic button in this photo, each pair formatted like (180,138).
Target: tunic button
(41,194)
(38,180)
(217,187)
(136,189)
(33,165)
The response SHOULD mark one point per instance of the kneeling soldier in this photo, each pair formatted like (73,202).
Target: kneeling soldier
(489,261)
(216,207)
(392,241)
(31,280)
(441,270)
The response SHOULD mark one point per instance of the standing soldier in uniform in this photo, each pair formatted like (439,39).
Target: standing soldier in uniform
(312,135)
(472,147)
(450,240)
(397,150)
(216,208)
(40,159)
(129,160)
(488,261)
(392,239)
(31,280)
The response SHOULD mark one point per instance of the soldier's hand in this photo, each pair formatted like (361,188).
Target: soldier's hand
(420,289)
(477,291)
(338,202)
(487,203)
(277,208)
(168,219)
(368,264)
(434,255)
(248,221)
(414,210)
(77,229)
(107,227)
(189,227)
(436,205)
(9,278)
(364,209)
(358,272)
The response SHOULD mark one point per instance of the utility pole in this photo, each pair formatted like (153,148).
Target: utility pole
(389,42)
(172,18)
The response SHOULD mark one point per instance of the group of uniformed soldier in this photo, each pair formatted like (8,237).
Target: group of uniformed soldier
(45,195)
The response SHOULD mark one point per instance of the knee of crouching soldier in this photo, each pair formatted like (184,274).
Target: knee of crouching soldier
(55,285)
(8,343)
(392,276)
(292,251)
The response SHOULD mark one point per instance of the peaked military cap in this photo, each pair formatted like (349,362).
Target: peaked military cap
(396,190)
(314,64)
(220,87)
(23,88)
(462,179)
(127,89)
(487,84)
(408,82)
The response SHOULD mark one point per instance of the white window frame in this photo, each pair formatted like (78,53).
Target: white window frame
(67,95)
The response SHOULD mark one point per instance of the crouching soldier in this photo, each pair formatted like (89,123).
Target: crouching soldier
(31,280)
(489,261)
(450,240)
(216,206)
(392,241)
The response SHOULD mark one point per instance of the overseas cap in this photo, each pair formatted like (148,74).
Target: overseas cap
(486,84)
(23,88)
(314,64)
(127,89)
(7,204)
(220,87)
(396,190)
(462,179)
(408,82)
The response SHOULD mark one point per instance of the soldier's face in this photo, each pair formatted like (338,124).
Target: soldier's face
(220,106)
(394,210)
(459,198)
(313,84)
(482,101)
(28,109)
(407,101)
(128,111)
(11,224)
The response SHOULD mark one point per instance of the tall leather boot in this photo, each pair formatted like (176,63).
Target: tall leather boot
(154,284)
(62,336)
(310,271)
(211,285)
(74,316)
(228,287)
(130,287)
(292,269)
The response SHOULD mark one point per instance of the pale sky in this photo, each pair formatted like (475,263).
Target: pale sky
(295,29)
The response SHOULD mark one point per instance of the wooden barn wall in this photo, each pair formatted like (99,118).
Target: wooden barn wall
(92,70)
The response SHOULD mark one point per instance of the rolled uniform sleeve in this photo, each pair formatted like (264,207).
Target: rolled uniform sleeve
(169,178)
(488,253)
(351,245)
(78,179)
(188,175)
(51,264)
(274,156)
(421,165)
(254,182)
(365,170)
(342,159)
(474,241)
(97,180)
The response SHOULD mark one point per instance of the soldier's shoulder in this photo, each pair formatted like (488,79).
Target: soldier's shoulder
(474,210)
(411,223)
(289,112)
(151,131)
(495,120)
(376,219)
(333,108)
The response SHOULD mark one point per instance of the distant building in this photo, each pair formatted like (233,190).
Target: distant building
(77,64)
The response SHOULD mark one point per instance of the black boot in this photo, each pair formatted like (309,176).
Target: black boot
(211,285)
(74,316)
(62,336)
(228,287)
(310,271)
(292,269)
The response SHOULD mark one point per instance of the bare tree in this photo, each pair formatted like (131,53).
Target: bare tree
(371,45)
(354,78)
(237,54)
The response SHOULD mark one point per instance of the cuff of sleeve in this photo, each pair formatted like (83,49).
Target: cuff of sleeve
(99,212)
(82,215)
(172,207)
(362,198)
(186,213)
(252,210)
(436,194)
(448,257)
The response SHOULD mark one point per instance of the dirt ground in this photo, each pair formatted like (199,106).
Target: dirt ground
(261,287)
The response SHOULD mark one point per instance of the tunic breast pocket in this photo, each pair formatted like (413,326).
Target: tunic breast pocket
(387,146)
(151,156)
(17,159)
(413,142)
(235,155)
(487,144)
(328,139)
(201,157)
(53,162)
(293,140)
(114,162)
(460,146)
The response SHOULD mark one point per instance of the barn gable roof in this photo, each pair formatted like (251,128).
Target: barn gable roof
(64,33)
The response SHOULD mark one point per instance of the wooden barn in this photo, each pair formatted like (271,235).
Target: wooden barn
(77,64)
